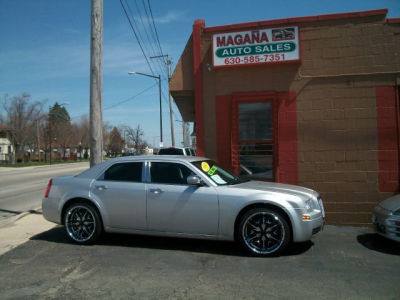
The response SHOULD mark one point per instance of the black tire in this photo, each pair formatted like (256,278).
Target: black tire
(82,223)
(263,232)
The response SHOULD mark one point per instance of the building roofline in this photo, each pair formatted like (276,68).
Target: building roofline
(393,21)
(297,20)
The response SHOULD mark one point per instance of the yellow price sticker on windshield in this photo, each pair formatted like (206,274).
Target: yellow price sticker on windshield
(205,166)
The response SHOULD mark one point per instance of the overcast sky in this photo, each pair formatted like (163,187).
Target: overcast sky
(45,49)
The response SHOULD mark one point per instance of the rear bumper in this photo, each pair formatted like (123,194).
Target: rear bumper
(50,210)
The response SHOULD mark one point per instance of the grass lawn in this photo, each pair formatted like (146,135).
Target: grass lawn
(35,163)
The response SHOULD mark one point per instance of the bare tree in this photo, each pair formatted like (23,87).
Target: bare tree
(135,136)
(20,117)
(82,134)
(107,129)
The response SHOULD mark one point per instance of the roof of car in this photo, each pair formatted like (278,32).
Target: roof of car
(159,157)
(93,171)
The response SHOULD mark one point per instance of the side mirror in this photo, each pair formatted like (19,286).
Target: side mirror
(194,180)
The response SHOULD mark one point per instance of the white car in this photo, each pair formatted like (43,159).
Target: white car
(182,196)
(177,151)
(386,218)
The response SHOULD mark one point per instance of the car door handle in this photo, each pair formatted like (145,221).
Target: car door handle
(156,191)
(101,187)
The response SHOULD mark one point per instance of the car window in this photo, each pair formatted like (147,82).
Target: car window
(188,152)
(171,151)
(217,174)
(131,171)
(170,173)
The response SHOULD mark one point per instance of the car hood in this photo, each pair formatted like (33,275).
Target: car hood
(277,187)
(392,203)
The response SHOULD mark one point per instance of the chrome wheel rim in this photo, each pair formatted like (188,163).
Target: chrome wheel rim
(80,223)
(263,232)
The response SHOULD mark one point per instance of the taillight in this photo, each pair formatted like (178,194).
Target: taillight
(46,195)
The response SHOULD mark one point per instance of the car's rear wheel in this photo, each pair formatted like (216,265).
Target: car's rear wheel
(82,223)
(263,232)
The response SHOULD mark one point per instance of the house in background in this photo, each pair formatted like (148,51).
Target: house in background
(6,148)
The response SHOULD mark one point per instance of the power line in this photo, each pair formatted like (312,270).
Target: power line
(155,29)
(147,44)
(144,28)
(136,36)
(130,98)
(120,102)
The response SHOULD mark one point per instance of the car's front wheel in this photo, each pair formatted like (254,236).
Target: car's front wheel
(263,232)
(82,223)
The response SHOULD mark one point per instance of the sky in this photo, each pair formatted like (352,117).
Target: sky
(45,50)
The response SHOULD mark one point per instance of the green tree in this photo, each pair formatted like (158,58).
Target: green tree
(60,131)
(116,142)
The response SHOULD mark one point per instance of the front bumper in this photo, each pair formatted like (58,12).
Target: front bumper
(304,229)
(386,224)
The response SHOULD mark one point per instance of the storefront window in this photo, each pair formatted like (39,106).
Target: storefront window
(255,121)
(256,140)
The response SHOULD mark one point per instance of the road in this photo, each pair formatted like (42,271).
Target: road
(340,263)
(22,189)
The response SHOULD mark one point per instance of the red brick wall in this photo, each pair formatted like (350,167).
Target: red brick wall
(339,139)
(388,155)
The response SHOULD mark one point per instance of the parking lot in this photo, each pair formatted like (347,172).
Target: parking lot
(340,263)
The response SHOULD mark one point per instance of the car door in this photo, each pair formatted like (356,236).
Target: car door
(177,207)
(122,192)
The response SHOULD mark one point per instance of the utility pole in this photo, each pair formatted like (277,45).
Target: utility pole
(171,115)
(96,83)
(38,138)
(185,134)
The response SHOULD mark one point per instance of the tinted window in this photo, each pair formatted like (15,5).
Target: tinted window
(171,151)
(171,173)
(125,172)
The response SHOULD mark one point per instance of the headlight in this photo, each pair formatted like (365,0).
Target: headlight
(309,205)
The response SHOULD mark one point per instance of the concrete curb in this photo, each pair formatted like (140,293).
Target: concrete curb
(21,228)
(15,218)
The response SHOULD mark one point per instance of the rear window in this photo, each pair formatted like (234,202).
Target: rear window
(131,172)
(170,151)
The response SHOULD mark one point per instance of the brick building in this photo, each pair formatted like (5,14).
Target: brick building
(310,101)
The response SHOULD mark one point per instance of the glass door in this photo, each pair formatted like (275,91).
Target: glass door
(254,140)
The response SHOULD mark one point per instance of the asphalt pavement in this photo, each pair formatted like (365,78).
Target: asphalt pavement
(37,260)
(339,263)
(22,189)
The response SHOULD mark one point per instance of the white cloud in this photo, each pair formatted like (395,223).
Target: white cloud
(169,17)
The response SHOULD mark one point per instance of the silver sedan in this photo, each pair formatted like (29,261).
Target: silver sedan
(386,218)
(182,196)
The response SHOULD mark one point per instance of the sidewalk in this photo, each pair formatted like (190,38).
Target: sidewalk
(24,226)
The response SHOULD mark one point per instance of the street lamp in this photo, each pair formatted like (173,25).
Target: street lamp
(159,89)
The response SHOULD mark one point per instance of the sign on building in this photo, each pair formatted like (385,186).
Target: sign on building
(263,46)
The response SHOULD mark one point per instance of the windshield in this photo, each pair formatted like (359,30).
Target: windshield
(217,174)
(171,151)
